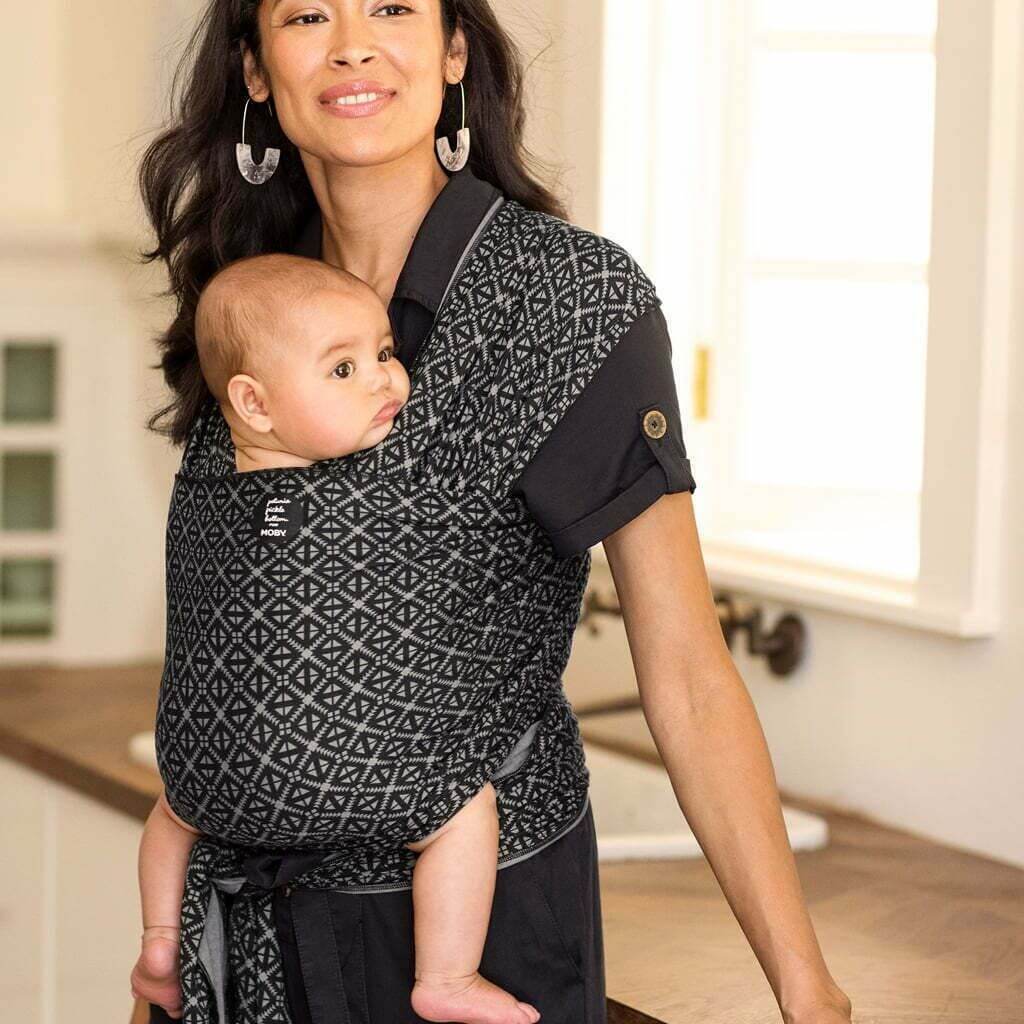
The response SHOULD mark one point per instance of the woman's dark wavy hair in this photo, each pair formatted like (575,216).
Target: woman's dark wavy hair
(204,214)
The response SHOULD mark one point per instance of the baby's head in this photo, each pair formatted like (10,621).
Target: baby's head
(301,358)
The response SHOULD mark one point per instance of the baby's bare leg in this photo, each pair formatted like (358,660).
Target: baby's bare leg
(163,858)
(453,887)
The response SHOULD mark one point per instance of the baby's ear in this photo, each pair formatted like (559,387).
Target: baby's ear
(248,403)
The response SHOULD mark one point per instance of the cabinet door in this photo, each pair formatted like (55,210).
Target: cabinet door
(27,918)
(69,919)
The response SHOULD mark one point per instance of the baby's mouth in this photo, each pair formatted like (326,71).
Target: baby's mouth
(388,410)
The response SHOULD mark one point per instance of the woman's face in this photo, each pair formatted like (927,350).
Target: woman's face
(310,47)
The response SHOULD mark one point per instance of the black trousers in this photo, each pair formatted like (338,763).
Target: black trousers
(544,942)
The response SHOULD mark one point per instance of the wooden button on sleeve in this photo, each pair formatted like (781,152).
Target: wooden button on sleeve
(655,423)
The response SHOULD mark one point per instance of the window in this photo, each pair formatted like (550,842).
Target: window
(28,467)
(825,194)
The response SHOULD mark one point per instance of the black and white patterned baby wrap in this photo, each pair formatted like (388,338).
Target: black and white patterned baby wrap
(344,684)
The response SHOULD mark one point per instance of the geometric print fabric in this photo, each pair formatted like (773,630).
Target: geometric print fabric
(348,687)
(351,684)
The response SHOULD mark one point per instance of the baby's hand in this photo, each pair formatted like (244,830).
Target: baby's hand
(155,975)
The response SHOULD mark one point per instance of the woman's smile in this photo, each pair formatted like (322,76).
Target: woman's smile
(361,98)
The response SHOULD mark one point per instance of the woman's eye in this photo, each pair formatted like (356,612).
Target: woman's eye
(344,364)
(298,20)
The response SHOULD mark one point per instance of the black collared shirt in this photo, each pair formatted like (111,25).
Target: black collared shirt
(598,468)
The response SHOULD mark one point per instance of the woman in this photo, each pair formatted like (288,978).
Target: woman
(358,184)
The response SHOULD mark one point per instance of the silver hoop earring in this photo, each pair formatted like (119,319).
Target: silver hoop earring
(255,173)
(457,160)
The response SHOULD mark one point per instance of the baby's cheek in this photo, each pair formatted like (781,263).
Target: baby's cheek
(402,381)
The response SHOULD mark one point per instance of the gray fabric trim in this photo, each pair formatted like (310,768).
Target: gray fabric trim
(520,752)
(502,862)
(213,950)
(527,854)
(487,217)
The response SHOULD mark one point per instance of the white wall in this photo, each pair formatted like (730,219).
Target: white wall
(69,862)
(32,170)
(85,94)
(561,43)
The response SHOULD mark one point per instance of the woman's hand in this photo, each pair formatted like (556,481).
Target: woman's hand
(815,999)
(836,1009)
(826,1015)
(710,740)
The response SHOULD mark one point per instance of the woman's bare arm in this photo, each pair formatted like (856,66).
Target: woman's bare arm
(710,738)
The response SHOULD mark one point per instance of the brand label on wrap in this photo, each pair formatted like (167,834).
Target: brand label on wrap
(278,518)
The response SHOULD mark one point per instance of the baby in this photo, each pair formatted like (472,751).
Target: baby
(301,358)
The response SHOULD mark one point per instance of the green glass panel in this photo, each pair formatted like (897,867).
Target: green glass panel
(30,382)
(27,491)
(26,597)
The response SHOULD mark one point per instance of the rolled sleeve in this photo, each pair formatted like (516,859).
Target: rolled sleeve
(617,449)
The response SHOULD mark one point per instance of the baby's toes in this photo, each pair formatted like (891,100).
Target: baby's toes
(530,1015)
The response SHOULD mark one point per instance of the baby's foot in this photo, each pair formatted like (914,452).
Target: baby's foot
(155,976)
(469,1000)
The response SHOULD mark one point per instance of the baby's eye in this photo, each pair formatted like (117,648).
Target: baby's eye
(347,365)
(385,354)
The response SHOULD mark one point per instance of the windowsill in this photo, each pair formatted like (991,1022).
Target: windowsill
(880,600)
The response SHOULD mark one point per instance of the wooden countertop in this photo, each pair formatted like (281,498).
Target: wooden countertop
(74,725)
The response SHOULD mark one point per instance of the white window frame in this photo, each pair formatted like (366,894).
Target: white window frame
(23,323)
(976,190)
(48,292)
